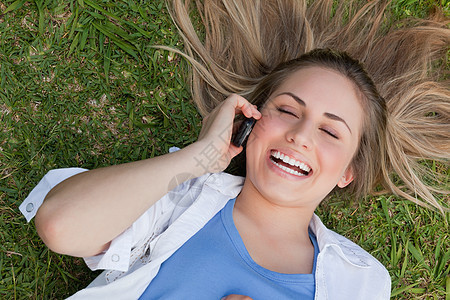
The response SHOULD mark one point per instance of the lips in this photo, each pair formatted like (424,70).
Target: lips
(289,164)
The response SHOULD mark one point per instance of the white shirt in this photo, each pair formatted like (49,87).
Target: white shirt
(344,270)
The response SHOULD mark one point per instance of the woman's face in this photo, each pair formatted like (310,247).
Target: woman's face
(303,145)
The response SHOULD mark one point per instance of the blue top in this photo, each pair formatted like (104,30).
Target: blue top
(215,263)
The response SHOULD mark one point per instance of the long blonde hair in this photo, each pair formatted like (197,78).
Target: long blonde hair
(240,42)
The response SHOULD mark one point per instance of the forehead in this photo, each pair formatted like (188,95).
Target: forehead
(320,80)
(323,91)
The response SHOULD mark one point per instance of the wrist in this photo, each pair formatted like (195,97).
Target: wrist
(205,157)
(199,156)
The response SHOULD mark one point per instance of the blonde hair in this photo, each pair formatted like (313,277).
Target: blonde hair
(241,42)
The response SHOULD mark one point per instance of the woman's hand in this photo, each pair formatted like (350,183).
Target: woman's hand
(216,132)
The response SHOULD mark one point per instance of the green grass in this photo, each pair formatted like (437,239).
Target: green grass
(80,85)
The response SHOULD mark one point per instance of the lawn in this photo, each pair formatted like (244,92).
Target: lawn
(81,85)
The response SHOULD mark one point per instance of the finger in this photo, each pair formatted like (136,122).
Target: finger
(252,111)
(249,111)
(246,108)
(233,150)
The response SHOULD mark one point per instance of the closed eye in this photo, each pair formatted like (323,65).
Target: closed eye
(329,133)
(282,110)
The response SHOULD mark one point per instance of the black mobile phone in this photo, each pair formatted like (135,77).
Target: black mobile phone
(244,131)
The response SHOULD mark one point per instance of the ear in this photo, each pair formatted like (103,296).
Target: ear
(346,178)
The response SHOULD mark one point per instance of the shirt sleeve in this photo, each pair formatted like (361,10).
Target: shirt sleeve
(387,286)
(118,256)
(31,204)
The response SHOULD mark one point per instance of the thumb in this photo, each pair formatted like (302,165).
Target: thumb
(233,150)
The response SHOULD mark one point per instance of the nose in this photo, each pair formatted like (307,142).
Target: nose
(301,135)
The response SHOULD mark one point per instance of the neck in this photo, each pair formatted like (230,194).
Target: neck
(285,220)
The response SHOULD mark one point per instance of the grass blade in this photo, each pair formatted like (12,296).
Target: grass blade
(447,287)
(74,44)
(107,62)
(15,5)
(403,289)
(130,49)
(402,272)
(417,254)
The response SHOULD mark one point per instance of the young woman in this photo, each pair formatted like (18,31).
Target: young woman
(321,125)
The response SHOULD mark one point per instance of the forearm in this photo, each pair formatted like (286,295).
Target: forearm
(83,214)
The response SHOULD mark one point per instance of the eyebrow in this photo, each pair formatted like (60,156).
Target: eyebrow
(328,115)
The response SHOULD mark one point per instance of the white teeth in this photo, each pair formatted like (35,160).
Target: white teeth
(291,161)
(286,169)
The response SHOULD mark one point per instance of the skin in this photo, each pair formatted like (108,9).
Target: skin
(301,119)
(79,217)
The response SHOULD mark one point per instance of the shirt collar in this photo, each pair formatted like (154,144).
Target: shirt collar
(346,249)
(226,184)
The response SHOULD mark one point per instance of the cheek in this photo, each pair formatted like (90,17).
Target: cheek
(263,134)
(268,126)
(337,159)
(257,144)
(258,131)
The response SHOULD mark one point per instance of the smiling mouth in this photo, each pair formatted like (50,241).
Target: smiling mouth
(289,164)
